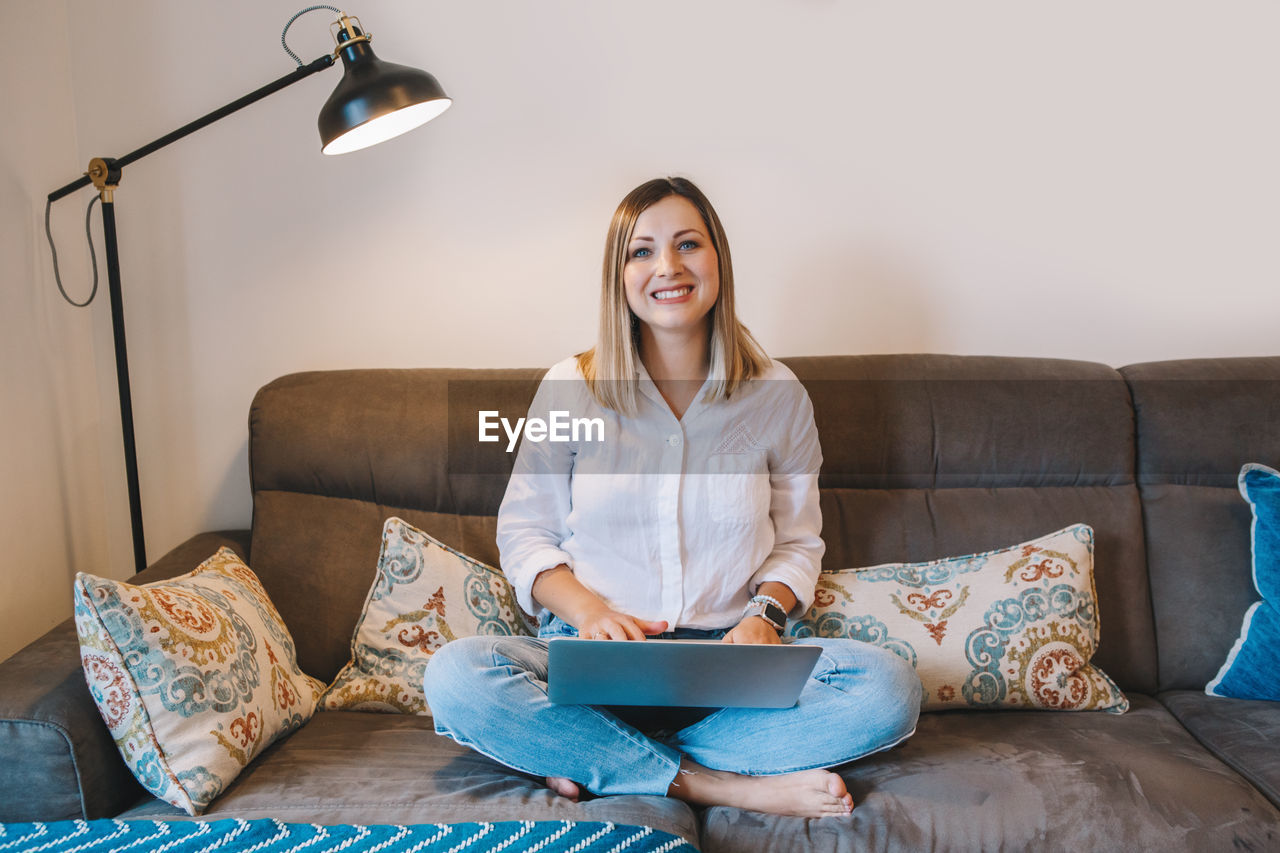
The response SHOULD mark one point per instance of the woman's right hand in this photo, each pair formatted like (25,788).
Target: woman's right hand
(560,592)
(612,625)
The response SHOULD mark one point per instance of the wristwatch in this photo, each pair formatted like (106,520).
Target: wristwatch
(769,609)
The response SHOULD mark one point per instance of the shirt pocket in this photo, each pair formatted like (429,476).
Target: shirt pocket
(738,487)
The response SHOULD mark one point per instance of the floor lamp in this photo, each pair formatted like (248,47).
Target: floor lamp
(373,102)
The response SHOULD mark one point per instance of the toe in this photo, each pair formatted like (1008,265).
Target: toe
(836,786)
(834,809)
(564,787)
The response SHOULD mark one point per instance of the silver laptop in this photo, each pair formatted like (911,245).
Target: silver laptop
(677,673)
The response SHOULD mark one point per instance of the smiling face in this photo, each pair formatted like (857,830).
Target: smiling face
(671,275)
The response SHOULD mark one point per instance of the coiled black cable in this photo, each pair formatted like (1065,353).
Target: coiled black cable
(93,257)
(298,15)
(48,231)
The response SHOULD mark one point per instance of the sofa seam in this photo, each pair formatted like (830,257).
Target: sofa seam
(1142,515)
(256,492)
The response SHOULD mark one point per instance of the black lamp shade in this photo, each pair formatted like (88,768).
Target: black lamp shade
(376,101)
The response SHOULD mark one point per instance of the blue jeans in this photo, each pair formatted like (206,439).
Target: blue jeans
(490,693)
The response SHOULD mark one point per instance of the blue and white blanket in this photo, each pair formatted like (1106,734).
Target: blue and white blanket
(272,836)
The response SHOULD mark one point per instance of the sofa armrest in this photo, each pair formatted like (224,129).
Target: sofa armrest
(59,759)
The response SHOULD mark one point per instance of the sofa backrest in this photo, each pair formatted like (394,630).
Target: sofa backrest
(1198,422)
(924,457)
(333,454)
(929,456)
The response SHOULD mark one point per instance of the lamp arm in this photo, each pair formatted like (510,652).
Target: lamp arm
(220,113)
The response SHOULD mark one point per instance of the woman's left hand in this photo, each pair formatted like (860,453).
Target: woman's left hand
(753,629)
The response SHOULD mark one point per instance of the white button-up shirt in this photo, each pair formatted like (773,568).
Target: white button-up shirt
(665,518)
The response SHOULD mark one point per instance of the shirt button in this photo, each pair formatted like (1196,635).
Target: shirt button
(673,440)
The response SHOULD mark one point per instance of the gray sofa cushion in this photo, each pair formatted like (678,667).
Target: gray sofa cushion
(1015,780)
(1201,577)
(404,438)
(348,767)
(1233,729)
(932,421)
(1198,422)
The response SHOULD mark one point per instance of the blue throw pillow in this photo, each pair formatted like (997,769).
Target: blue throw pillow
(1252,670)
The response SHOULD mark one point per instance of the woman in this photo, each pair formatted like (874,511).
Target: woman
(694,516)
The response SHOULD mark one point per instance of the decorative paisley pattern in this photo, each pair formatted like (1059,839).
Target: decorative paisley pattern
(1019,639)
(425,594)
(937,605)
(111,687)
(1045,670)
(1013,628)
(194,676)
(866,629)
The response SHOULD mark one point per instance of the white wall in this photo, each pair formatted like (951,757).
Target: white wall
(1093,181)
(53,445)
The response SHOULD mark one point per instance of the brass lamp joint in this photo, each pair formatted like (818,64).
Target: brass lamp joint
(351,27)
(105,175)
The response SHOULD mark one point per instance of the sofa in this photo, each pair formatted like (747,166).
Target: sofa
(925,456)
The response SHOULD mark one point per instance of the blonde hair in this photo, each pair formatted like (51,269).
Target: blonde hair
(610,367)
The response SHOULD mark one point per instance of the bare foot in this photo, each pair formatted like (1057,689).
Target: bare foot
(564,787)
(809,793)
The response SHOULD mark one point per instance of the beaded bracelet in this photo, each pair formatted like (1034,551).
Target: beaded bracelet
(760,596)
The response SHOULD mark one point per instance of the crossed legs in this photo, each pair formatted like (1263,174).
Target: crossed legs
(490,693)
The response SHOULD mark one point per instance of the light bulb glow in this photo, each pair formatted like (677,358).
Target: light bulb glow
(387,126)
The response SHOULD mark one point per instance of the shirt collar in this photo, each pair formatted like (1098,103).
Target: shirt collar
(647,386)
(650,390)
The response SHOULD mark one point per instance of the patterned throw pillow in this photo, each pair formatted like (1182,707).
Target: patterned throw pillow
(1252,669)
(194,676)
(424,595)
(1013,628)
